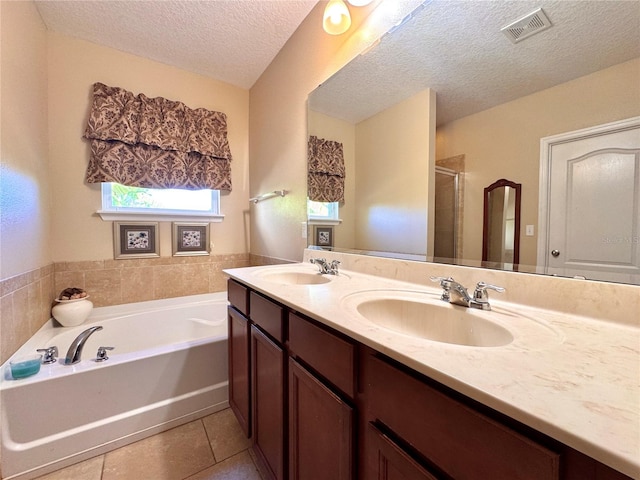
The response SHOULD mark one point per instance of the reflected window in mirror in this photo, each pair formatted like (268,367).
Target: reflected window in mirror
(322,211)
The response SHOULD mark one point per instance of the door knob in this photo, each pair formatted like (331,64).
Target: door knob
(555,253)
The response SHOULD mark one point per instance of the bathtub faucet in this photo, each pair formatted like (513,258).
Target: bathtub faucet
(75,350)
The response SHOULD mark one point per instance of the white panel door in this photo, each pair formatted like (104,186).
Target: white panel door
(594,204)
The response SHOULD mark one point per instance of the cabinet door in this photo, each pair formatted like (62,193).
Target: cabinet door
(387,461)
(267,365)
(320,429)
(239,378)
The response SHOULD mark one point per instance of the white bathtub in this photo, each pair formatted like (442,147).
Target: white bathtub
(169,367)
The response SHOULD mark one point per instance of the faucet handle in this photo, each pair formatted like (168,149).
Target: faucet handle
(101,356)
(480,295)
(445,283)
(334,266)
(49,354)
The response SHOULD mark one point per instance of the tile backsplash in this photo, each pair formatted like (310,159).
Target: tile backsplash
(112,282)
(26,299)
(25,305)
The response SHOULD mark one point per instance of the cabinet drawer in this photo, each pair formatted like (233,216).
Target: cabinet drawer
(330,355)
(268,315)
(446,431)
(238,296)
(386,460)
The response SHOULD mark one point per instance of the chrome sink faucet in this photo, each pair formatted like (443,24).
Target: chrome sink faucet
(454,292)
(326,268)
(75,350)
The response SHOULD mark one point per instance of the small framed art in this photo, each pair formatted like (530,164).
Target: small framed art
(190,239)
(324,236)
(135,240)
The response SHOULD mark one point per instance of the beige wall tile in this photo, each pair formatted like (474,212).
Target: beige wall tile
(7,338)
(137,284)
(66,279)
(22,308)
(104,286)
(178,280)
(47,294)
(33,313)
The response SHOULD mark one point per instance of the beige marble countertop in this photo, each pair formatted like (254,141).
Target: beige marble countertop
(572,377)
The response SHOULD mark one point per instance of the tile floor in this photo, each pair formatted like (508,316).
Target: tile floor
(211,448)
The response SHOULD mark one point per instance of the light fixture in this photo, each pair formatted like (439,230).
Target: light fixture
(359,3)
(336,18)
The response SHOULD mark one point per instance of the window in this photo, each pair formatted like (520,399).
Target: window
(322,211)
(123,202)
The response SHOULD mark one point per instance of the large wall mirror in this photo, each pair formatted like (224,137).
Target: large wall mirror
(447,103)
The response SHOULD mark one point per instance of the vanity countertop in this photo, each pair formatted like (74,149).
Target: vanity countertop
(581,388)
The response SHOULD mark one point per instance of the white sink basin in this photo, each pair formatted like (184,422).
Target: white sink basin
(439,322)
(296,278)
(423,316)
(297,274)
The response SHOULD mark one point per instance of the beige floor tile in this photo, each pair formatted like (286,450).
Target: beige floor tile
(88,470)
(225,434)
(171,455)
(238,467)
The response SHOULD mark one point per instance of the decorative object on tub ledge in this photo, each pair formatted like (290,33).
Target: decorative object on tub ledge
(265,196)
(324,237)
(135,240)
(155,142)
(190,239)
(73,307)
(325,178)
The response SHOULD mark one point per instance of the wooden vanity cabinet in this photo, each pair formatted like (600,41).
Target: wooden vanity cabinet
(268,386)
(239,369)
(322,372)
(319,405)
(239,365)
(321,426)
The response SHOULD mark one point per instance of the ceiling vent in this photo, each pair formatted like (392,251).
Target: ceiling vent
(528,25)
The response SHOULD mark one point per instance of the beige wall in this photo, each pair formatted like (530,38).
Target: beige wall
(330,128)
(74,66)
(51,237)
(26,272)
(394,159)
(504,142)
(25,220)
(278,121)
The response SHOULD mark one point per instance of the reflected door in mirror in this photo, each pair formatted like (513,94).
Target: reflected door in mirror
(501,231)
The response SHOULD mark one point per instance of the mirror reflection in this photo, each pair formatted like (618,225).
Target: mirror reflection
(501,231)
(449,92)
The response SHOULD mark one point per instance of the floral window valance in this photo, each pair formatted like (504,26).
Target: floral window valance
(155,142)
(325,180)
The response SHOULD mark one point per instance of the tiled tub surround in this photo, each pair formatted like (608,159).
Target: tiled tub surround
(174,351)
(25,305)
(26,299)
(582,389)
(112,282)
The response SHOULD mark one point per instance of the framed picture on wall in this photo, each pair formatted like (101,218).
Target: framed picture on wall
(324,236)
(190,239)
(135,240)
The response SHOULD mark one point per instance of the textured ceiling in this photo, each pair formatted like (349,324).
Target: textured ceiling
(456,48)
(230,40)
